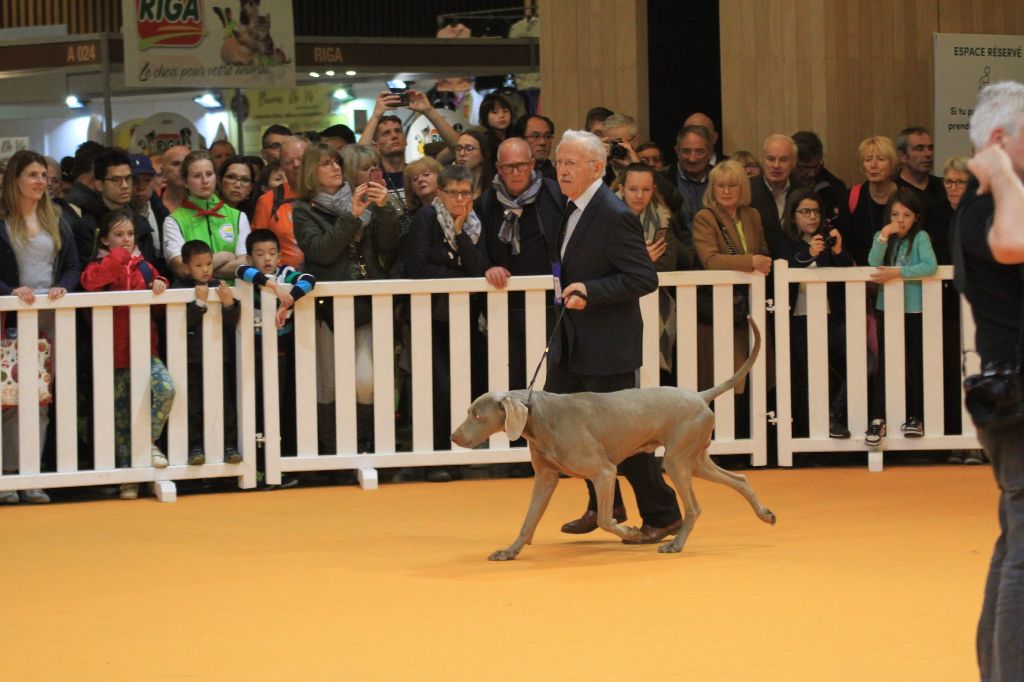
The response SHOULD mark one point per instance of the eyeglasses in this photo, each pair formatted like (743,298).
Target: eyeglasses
(808,212)
(119,180)
(272,145)
(751,166)
(240,179)
(570,163)
(533,137)
(520,167)
(465,148)
(462,196)
(949,182)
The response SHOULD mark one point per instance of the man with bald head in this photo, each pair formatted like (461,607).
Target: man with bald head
(602,255)
(274,208)
(174,187)
(519,215)
(769,193)
(701,119)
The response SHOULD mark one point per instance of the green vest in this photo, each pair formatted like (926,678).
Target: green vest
(221,233)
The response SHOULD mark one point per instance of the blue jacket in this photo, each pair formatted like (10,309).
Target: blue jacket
(913,261)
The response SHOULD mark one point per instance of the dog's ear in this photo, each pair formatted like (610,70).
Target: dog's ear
(515,417)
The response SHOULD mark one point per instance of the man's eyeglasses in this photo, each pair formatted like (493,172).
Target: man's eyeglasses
(950,183)
(533,137)
(465,148)
(240,179)
(119,180)
(808,212)
(520,167)
(272,145)
(463,195)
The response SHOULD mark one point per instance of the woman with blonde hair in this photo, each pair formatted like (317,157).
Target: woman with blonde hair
(954,178)
(751,166)
(348,231)
(864,212)
(727,232)
(421,184)
(37,256)
(728,235)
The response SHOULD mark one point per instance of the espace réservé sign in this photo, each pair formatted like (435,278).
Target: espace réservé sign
(208,43)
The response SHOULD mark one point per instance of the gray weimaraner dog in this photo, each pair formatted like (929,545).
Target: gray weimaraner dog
(587,434)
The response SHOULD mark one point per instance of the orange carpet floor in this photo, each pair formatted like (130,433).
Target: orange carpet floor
(866,577)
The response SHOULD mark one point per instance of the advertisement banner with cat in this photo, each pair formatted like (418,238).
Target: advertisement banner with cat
(208,43)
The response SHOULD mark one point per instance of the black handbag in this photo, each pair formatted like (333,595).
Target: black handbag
(740,295)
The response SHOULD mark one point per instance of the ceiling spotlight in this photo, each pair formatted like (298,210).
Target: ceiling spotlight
(314,74)
(208,101)
(350,73)
(328,73)
(73,102)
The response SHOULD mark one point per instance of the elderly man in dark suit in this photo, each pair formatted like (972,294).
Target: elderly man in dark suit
(768,194)
(602,258)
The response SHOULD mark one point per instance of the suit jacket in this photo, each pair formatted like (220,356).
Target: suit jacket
(713,250)
(607,253)
(762,201)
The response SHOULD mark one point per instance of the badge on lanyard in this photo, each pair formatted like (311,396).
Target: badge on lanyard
(556,275)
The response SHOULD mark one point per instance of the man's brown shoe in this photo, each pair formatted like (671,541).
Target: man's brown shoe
(651,534)
(588,522)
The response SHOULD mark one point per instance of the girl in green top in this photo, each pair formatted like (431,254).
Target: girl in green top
(204,216)
(901,249)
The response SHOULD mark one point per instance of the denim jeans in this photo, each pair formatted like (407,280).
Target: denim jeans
(1001,628)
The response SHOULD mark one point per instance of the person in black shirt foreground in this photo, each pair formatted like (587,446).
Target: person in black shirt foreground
(988,252)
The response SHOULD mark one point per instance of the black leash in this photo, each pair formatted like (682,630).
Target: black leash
(548,346)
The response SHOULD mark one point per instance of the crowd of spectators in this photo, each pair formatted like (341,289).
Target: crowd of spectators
(335,206)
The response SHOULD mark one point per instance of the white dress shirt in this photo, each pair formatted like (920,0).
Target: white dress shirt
(581,205)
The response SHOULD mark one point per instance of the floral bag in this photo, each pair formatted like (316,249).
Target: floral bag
(9,370)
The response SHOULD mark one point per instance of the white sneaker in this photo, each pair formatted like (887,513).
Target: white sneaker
(34,496)
(159,458)
(129,491)
(9,497)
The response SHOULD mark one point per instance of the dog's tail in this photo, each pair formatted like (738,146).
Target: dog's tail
(730,383)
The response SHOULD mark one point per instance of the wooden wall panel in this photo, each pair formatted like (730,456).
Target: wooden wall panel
(593,52)
(80,16)
(844,69)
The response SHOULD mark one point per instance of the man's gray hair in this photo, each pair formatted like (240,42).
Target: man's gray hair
(779,137)
(1000,105)
(617,120)
(589,141)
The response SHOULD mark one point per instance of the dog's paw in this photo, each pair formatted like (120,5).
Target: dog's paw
(670,548)
(502,555)
(632,533)
(768,516)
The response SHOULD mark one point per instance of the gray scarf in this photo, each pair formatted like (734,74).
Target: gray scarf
(471,227)
(514,206)
(340,203)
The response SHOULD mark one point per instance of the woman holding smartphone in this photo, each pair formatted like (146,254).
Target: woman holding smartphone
(638,190)
(348,231)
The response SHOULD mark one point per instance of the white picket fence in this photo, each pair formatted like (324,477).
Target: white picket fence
(102,470)
(386,454)
(422,452)
(854,280)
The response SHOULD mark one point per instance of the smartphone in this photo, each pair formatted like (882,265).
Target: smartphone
(399,88)
(377,175)
(659,234)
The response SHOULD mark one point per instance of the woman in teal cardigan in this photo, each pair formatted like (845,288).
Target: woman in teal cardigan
(901,249)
